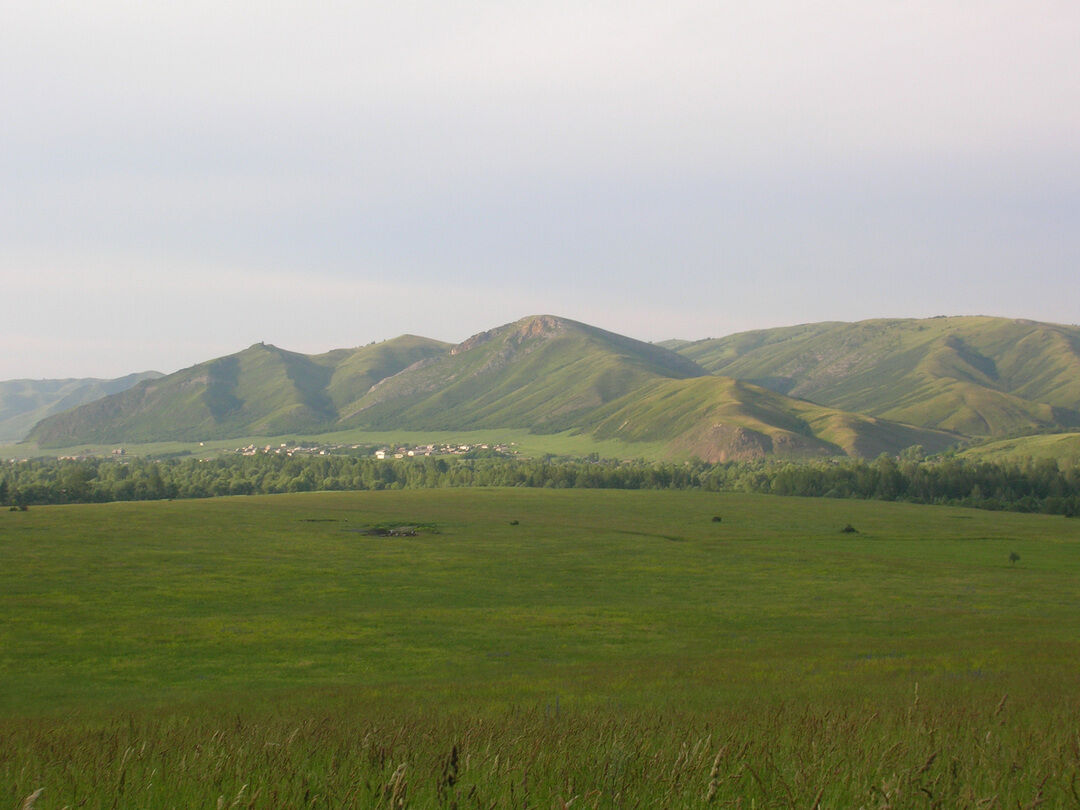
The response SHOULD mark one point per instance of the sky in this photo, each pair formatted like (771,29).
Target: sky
(181,180)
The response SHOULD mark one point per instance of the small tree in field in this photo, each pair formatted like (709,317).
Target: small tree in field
(1013,557)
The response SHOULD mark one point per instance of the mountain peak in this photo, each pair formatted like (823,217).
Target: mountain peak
(534,326)
(539,325)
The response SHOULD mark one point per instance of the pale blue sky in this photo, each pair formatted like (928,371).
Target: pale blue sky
(178,181)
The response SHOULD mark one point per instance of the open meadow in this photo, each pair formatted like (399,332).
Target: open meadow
(524,442)
(537,648)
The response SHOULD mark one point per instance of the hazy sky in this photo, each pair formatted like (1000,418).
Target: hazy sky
(180,180)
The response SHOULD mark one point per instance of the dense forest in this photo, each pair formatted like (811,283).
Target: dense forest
(1029,486)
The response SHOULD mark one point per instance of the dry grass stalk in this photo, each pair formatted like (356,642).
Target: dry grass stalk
(1001,705)
(395,790)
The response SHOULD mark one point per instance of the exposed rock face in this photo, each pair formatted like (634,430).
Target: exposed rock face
(479,339)
(538,326)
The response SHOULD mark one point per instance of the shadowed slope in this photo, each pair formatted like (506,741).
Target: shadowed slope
(543,372)
(721,419)
(548,374)
(974,375)
(24,403)
(262,390)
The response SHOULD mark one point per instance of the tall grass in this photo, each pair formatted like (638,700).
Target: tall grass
(273,652)
(957,753)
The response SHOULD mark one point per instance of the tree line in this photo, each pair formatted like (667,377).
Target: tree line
(1026,486)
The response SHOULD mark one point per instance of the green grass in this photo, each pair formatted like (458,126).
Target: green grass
(23,403)
(542,374)
(532,445)
(618,646)
(262,390)
(721,419)
(979,376)
(1062,447)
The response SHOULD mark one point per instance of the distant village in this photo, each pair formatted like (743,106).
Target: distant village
(306,448)
(383,452)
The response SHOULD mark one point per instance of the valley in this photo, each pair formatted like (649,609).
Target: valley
(819,390)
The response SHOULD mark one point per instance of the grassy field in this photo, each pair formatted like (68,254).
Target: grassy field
(535,648)
(1061,447)
(533,445)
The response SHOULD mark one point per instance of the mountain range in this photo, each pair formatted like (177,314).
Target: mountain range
(24,403)
(977,376)
(813,390)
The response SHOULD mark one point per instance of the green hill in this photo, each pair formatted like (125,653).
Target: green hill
(262,390)
(544,373)
(24,403)
(721,419)
(552,374)
(979,376)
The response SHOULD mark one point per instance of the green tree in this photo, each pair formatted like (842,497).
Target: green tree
(914,453)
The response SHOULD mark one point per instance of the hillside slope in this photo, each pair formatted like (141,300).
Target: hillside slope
(24,403)
(722,419)
(978,376)
(552,374)
(1063,448)
(262,390)
(543,372)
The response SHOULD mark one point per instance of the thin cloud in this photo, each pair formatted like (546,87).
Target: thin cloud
(221,174)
